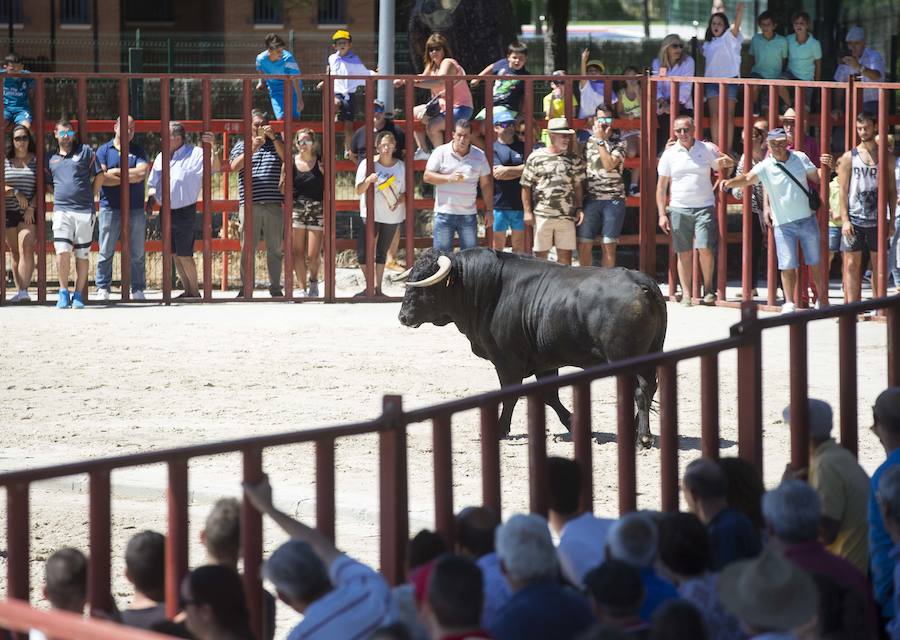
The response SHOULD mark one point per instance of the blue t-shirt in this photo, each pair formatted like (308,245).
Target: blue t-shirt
(656,592)
(768,55)
(108,156)
(787,200)
(880,544)
(802,57)
(732,537)
(508,193)
(72,178)
(540,611)
(508,93)
(15,91)
(286,65)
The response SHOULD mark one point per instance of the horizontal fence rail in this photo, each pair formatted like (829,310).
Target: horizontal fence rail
(392,428)
(156,100)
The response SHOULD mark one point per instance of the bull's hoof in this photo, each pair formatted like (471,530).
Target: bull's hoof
(504,432)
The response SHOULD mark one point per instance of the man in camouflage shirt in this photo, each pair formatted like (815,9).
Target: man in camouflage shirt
(604,207)
(551,193)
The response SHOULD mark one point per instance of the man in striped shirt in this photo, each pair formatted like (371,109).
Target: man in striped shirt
(338,596)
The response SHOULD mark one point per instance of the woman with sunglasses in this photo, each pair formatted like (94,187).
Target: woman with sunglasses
(20,176)
(309,194)
(672,61)
(213,601)
(760,130)
(439,63)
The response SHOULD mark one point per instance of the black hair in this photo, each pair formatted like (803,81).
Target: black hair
(65,579)
(424,547)
(475,529)
(766,15)
(456,592)
(705,479)
(11,152)
(517,47)
(563,485)
(274,40)
(220,588)
(684,544)
(678,619)
(615,587)
(709,36)
(145,560)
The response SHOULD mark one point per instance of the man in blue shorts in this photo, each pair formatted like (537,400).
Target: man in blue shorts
(509,160)
(786,177)
(604,202)
(17,92)
(277,61)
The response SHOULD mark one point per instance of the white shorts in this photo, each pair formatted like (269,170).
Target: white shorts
(73,232)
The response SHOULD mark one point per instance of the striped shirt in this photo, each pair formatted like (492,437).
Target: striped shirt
(266,172)
(20,178)
(359,603)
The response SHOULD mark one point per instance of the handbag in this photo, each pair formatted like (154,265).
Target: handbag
(815,201)
(433,107)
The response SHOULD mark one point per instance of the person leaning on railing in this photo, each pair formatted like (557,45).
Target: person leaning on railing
(672,61)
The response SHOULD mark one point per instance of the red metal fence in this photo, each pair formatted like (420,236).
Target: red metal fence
(646,239)
(392,427)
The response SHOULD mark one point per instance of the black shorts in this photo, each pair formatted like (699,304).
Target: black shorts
(183,231)
(15,217)
(863,237)
(346,110)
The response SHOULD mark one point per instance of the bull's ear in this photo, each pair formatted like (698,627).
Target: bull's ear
(444,264)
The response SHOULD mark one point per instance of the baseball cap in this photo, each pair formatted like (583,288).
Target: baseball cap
(777,134)
(855,34)
(595,63)
(821,418)
(341,34)
(503,115)
(379,105)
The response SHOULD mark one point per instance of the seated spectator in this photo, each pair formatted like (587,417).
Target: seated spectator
(554,103)
(380,122)
(65,584)
(582,536)
(475,529)
(424,547)
(338,596)
(731,534)
(888,497)
(633,539)
(793,513)
(592,92)
(454,599)
(886,425)
(684,559)
(540,606)
(678,619)
(863,63)
(145,568)
(628,106)
(771,596)
(616,594)
(212,598)
(507,94)
(843,488)
(745,488)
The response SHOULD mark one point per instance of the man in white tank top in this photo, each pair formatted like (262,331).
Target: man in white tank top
(858,179)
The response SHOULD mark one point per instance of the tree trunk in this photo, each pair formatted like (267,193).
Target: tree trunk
(558,15)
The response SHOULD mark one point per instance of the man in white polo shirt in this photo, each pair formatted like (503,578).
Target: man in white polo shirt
(457,169)
(691,213)
(786,176)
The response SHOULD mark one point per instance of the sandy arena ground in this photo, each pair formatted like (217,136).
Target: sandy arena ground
(124,379)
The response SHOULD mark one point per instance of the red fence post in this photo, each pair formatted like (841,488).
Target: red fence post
(249,239)
(647,155)
(99,578)
(825,146)
(884,160)
(165,211)
(747,218)
(490,457)
(749,387)
(709,406)
(393,490)
(177,538)
(369,196)
(442,452)
(721,214)
(329,213)
(799,418)
(40,197)
(287,200)
(251,541)
(81,84)
(668,435)
(847,380)
(124,194)
(18,541)
(626,439)
(325,507)
(207,193)
(893,344)
(581,437)
(409,163)
(537,455)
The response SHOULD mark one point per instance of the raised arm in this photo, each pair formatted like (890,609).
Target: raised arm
(585,54)
(738,18)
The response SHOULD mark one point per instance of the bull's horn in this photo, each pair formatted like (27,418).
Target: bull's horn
(401,277)
(443,271)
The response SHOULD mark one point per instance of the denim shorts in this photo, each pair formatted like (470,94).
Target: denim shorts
(460,112)
(862,237)
(602,216)
(712,91)
(805,232)
(464,225)
(834,239)
(508,219)
(694,227)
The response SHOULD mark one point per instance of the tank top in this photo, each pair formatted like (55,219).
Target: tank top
(863,192)
(462,97)
(631,108)
(309,185)
(22,179)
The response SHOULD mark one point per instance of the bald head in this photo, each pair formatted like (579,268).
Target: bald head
(475,528)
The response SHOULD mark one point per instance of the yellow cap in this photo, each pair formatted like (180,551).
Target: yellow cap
(341,34)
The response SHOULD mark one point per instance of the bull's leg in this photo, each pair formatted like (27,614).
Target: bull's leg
(507,379)
(645,389)
(552,400)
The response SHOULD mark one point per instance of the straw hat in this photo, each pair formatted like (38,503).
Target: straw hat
(559,125)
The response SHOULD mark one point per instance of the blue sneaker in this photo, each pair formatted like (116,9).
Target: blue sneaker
(77,302)
(63,301)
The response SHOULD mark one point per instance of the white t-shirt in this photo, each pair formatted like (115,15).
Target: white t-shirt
(457,198)
(723,55)
(591,98)
(383,212)
(582,544)
(689,169)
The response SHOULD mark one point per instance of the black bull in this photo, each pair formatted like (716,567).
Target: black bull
(531,317)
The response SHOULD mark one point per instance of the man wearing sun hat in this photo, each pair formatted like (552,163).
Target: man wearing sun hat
(552,193)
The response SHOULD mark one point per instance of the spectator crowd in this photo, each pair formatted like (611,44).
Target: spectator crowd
(813,557)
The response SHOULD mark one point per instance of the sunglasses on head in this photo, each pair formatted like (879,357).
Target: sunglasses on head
(683,130)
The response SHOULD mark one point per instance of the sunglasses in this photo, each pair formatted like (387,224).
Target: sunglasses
(506,125)
(304,143)
(20,138)
(432,49)
(683,130)
(66,134)
(605,120)
(676,46)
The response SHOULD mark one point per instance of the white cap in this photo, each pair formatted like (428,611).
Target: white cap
(856,34)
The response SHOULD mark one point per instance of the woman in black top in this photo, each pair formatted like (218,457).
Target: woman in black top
(20,176)
(309,188)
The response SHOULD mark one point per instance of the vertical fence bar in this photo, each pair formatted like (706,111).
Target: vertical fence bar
(699,91)
(442,448)
(248,255)
(252,541)
(626,443)
(124,193)
(369,195)
(6,144)
(893,344)
(490,457)
(325,505)
(83,136)
(40,195)
(884,161)
(329,214)
(177,538)
(709,405)
(226,172)
(771,267)
(847,381)
(488,134)
(721,214)
(537,454)
(393,490)
(99,578)
(18,541)
(529,145)
(749,387)
(799,396)
(410,195)
(166,211)
(668,435)
(747,217)
(825,145)
(206,86)
(287,200)
(648,219)
(850,114)
(448,109)
(581,437)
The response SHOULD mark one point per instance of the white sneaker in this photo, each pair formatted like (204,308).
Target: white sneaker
(788,307)
(138,295)
(421,154)
(300,293)
(21,296)
(817,305)
(103,294)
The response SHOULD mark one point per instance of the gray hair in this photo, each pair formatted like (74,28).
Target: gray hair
(793,511)
(177,128)
(259,113)
(297,572)
(633,539)
(888,493)
(526,549)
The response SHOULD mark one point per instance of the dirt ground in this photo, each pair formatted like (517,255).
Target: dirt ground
(123,379)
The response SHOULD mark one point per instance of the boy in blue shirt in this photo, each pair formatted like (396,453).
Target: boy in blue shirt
(804,58)
(17,92)
(277,61)
(768,51)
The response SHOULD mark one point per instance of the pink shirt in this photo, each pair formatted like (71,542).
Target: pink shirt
(462,97)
